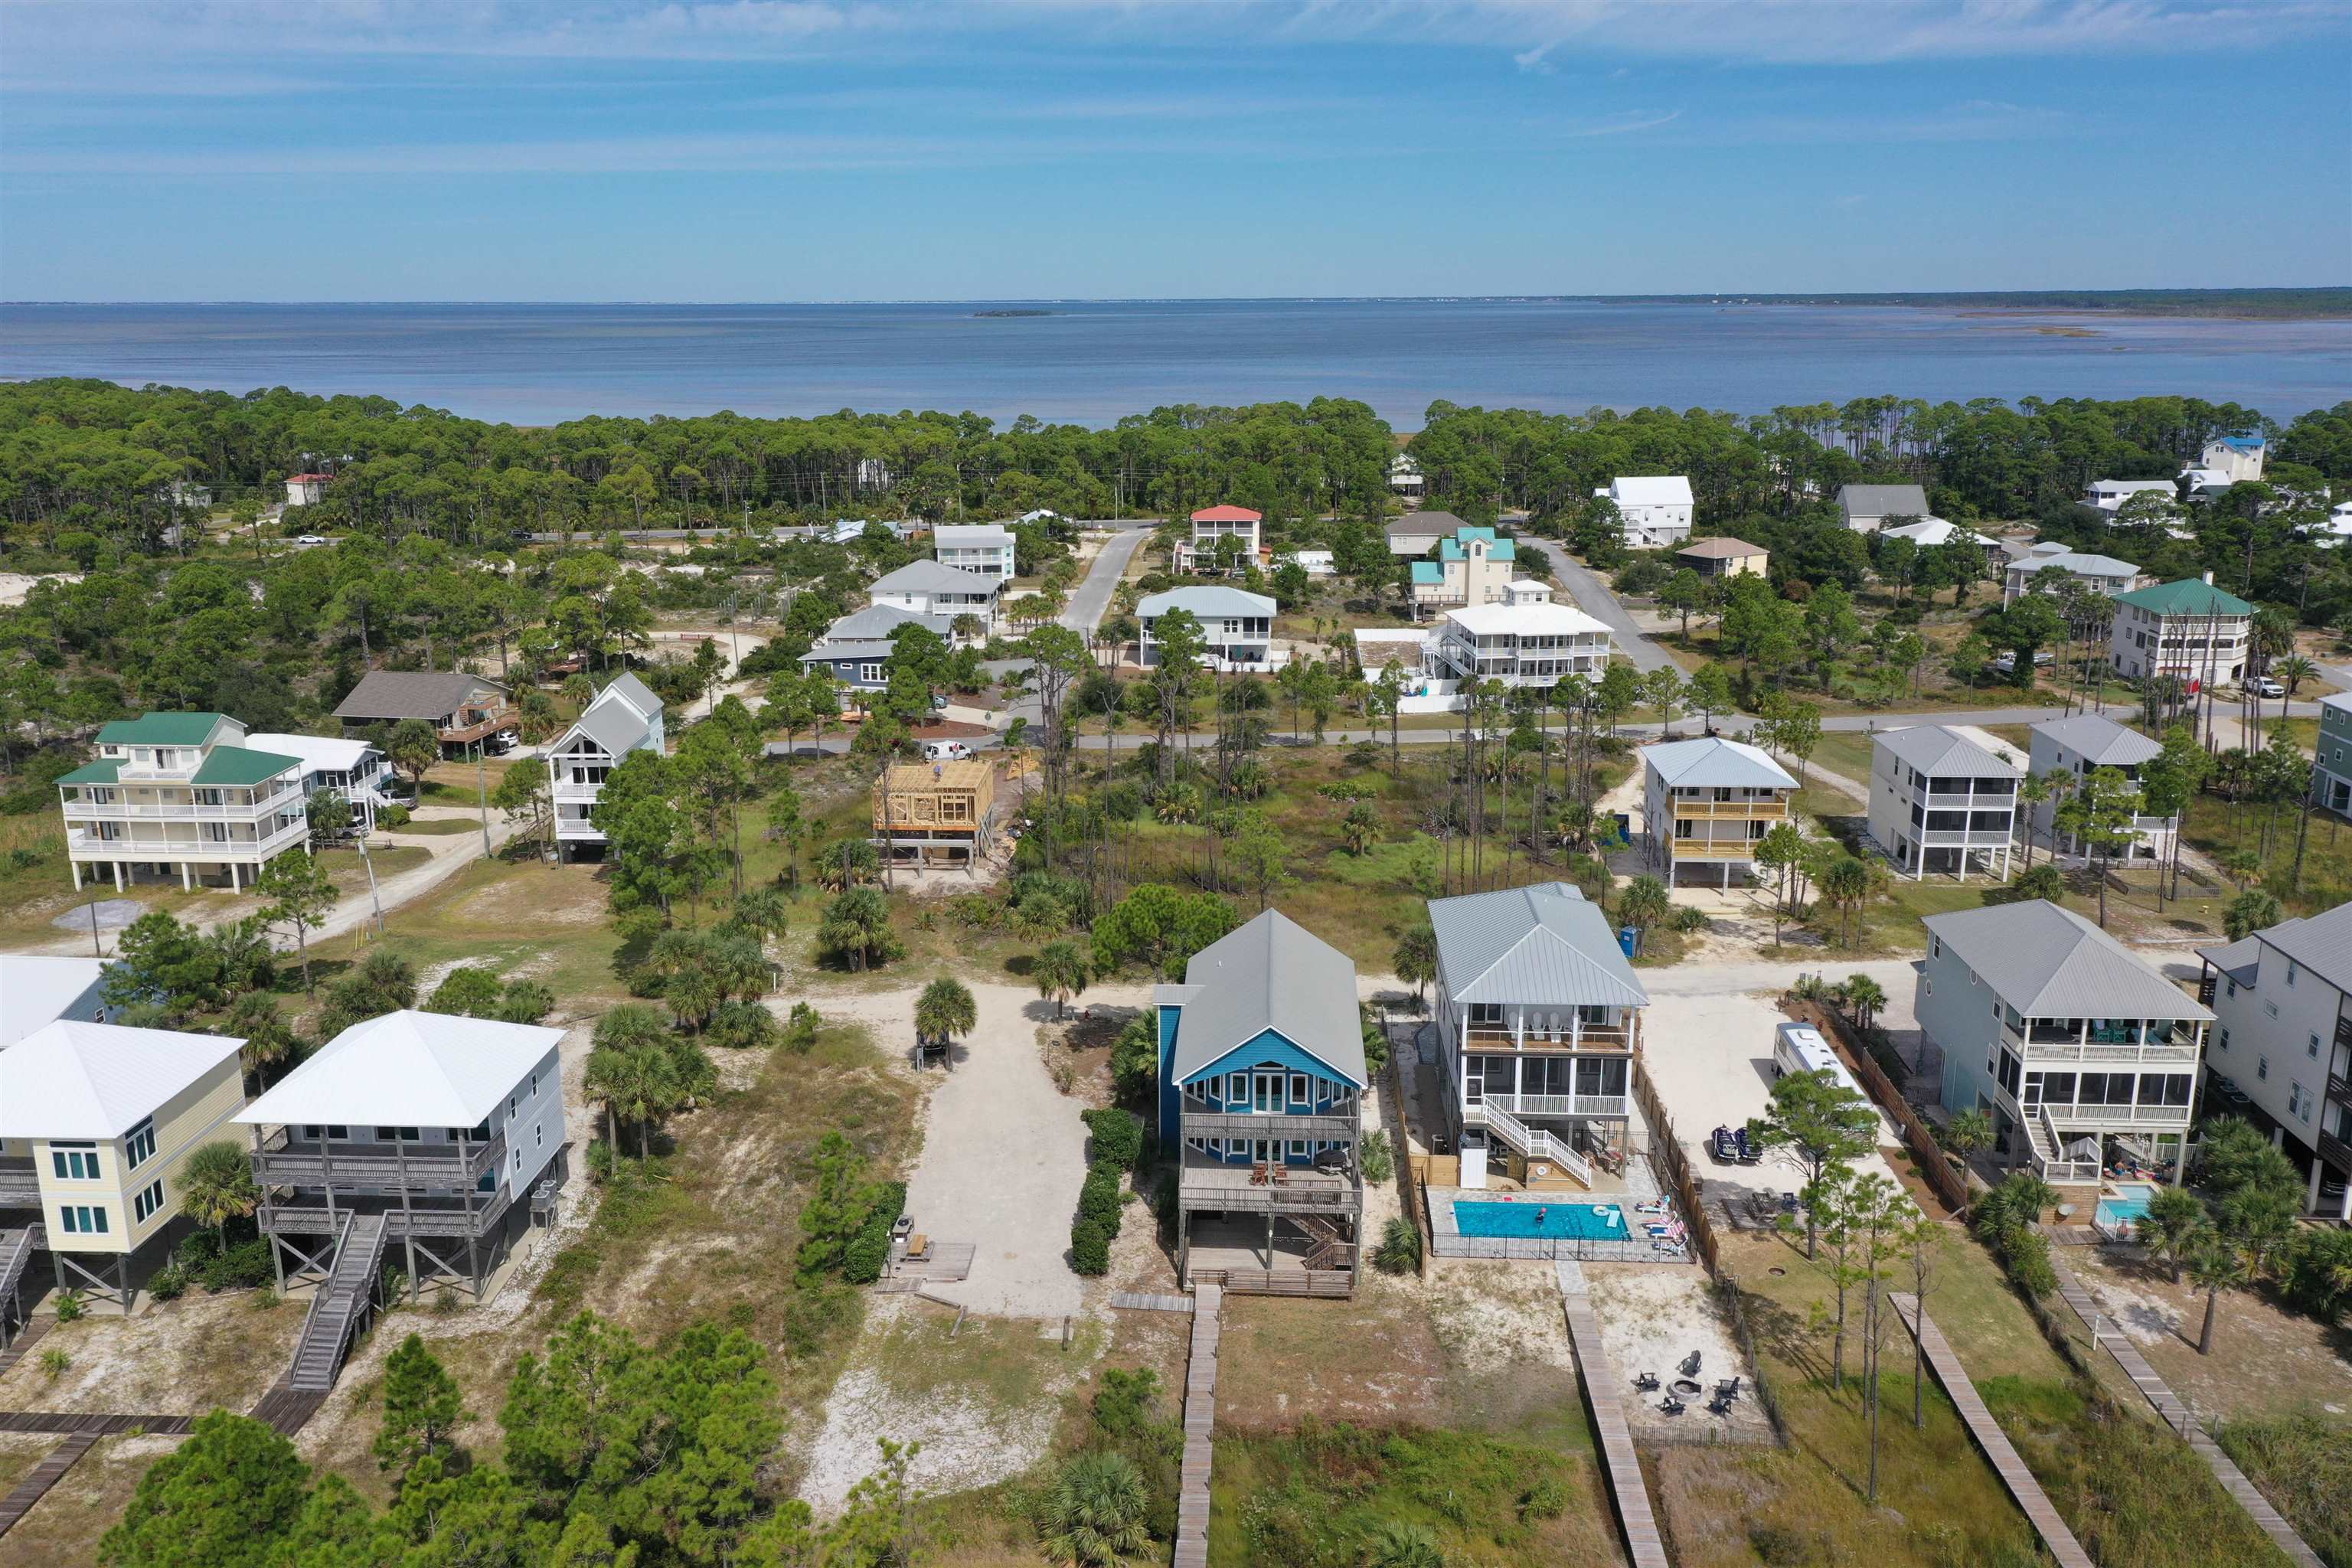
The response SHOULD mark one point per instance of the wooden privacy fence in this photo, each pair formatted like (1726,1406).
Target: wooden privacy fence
(1934,1168)
(1668,1159)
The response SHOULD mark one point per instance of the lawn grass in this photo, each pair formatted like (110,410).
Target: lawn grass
(2303,1463)
(2222,830)
(436,825)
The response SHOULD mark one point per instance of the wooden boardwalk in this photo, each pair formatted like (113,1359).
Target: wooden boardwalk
(45,1475)
(1199,1429)
(30,1335)
(1643,1544)
(2003,1455)
(1145,1301)
(2181,1420)
(287,1409)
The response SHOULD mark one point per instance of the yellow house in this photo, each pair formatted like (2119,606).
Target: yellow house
(101,1120)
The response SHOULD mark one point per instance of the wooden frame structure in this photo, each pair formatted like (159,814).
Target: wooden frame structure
(928,815)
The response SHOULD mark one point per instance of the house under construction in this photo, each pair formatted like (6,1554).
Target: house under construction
(933,814)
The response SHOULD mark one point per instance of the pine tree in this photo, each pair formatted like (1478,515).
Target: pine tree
(421,1408)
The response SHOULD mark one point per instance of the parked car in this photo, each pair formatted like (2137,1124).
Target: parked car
(2008,661)
(2264,686)
(2230,1092)
(945,751)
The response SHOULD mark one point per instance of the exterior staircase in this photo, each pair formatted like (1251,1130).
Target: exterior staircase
(340,1305)
(16,1250)
(1331,1249)
(1537,1144)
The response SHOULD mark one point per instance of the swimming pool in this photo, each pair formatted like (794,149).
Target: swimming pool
(2125,1209)
(1583,1221)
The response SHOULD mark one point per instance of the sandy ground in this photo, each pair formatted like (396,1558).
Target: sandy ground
(17,586)
(1492,1315)
(1652,1316)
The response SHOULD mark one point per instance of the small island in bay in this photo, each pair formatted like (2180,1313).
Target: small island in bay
(996,314)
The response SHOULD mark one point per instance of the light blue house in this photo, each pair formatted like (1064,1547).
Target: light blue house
(1262,1079)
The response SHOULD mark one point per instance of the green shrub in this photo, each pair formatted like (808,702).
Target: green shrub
(1118,1137)
(168,1283)
(241,1268)
(1099,1198)
(1379,1164)
(800,1029)
(742,1026)
(2317,1277)
(1547,1499)
(391,817)
(862,1261)
(69,1307)
(1134,1063)
(1400,1248)
(1089,1249)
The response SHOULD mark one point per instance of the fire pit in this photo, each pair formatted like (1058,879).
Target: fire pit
(1687,1387)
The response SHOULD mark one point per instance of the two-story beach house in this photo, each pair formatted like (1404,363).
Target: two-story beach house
(1203,550)
(1469,567)
(2331,777)
(1416,533)
(2185,631)
(2236,458)
(306,489)
(2099,574)
(625,717)
(1866,509)
(95,1123)
(1656,508)
(2281,1001)
(353,769)
(856,650)
(1709,802)
(1724,557)
(1237,626)
(2081,745)
(2076,1048)
(982,548)
(182,794)
(1941,803)
(37,990)
(1526,640)
(1262,1080)
(1404,475)
(1538,1018)
(464,710)
(2108,496)
(927,588)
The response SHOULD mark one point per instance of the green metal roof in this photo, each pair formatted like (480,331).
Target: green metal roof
(2189,596)
(161,730)
(92,773)
(236,765)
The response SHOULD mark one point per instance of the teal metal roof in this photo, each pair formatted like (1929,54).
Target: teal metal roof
(162,730)
(2189,596)
(1428,572)
(94,772)
(236,765)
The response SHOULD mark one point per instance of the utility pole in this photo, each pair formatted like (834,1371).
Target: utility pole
(482,789)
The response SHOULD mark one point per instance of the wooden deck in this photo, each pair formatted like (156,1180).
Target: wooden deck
(1998,1450)
(1146,1301)
(2181,1420)
(1200,1429)
(45,1475)
(1643,1544)
(946,1262)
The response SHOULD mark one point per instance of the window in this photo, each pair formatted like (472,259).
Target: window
(870,673)
(511,1104)
(1935,947)
(2233,989)
(75,1161)
(84,1219)
(1237,1089)
(397,1135)
(2312,1050)
(517,1159)
(2262,1068)
(2223,1039)
(2290,971)
(139,1144)
(538,1137)
(1302,1090)
(534,1085)
(147,1201)
(339,1134)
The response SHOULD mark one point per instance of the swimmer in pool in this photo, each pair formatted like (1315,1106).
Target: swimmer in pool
(1539,1214)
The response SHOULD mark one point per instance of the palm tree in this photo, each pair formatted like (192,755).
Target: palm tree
(2215,1265)
(1845,882)
(1642,904)
(2250,912)
(1965,1133)
(2032,793)
(2293,671)
(216,1186)
(1095,1514)
(1359,827)
(1061,972)
(617,1070)
(943,1011)
(268,1039)
(1416,958)
(1864,996)
(2175,1221)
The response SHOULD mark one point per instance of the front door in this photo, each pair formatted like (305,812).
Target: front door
(1265,1098)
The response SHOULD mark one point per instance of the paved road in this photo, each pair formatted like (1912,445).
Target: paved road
(1091,599)
(1594,599)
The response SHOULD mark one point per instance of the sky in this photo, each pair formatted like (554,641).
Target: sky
(816,150)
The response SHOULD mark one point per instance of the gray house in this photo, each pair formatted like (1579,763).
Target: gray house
(857,648)
(461,708)
(625,717)
(1869,507)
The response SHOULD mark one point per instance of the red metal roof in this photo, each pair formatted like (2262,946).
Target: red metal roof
(299,478)
(1227,514)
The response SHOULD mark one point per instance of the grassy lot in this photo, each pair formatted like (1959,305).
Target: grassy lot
(2303,1463)
(2222,830)
(437,826)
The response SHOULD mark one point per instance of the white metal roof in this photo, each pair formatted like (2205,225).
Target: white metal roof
(970,535)
(1206,602)
(37,990)
(1541,945)
(72,1079)
(1651,489)
(317,754)
(1710,762)
(1552,620)
(412,1068)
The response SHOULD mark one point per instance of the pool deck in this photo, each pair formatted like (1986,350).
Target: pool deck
(1447,1240)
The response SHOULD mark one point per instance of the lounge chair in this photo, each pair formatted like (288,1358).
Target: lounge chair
(1720,1405)
(1258,1177)
(1690,1364)
(1646,1381)
(1727,1388)
(1282,1175)
(1671,1405)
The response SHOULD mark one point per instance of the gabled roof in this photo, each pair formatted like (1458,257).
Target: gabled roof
(1497,548)
(36,990)
(1205,602)
(2078,564)
(1428,574)
(1710,762)
(1227,514)
(313,752)
(2241,960)
(1543,946)
(1929,532)
(163,730)
(1651,489)
(1723,548)
(1934,749)
(1416,523)
(236,765)
(1882,501)
(2188,596)
(2100,741)
(73,1079)
(930,577)
(413,693)
(874,623)
(2241,443)
(2133,486)
(1271,973)
(2050,962)
(2321,944)
(620,720)
(409,1068)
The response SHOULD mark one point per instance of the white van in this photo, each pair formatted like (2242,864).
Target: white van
(1800,1047)
(945,752)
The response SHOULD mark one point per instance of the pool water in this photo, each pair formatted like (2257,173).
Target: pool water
(2127,1208)
(1584,1221)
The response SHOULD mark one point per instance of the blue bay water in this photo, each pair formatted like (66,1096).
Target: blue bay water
(1091,363)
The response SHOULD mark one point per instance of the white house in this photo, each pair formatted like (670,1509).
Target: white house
(2079,745)
(929,588)
(442,1133)
(182,792)
(1869,507)
(1707,802)
(1931,532)
(1211,526)
(2234,459)
(2188,630)
(1529,641)
(1313,562)
(1657,509)
(2282,1002)
(306,489)
(362,775)
(2109,495)
(625,717)
(37,990)
(1941,803)
(984,548)
(1404,475)
(1416,533)
(2066,1038)
(2100,574)
(1238,626)
(2333,529)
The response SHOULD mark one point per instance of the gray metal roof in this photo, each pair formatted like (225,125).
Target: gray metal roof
(1883,500)
(1271,973)
(1543,945)
(1206,602)
(2321,944)
(2099,741)
(928,576)
(1938,752)
(1415,523)
(874,623)
(2077,563)
(413,693)
(2239,960)
(2050,962)
(1710,762)
(620,719)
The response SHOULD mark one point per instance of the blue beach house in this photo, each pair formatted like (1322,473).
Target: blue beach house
(1262,1082)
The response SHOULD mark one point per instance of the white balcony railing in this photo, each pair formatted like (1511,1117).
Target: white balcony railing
(1552,1105)
(179,811)
(91,847)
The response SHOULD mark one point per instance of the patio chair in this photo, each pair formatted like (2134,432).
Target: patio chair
(1720,1405)
(1691,1365)
(1727,1388)
(1671,1405)
(1646,1381)
(1282,1175)
(1259,1175)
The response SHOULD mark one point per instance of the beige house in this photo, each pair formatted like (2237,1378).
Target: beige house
(1472,567)
(95,1123)
(1725,557)
(1707,802)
